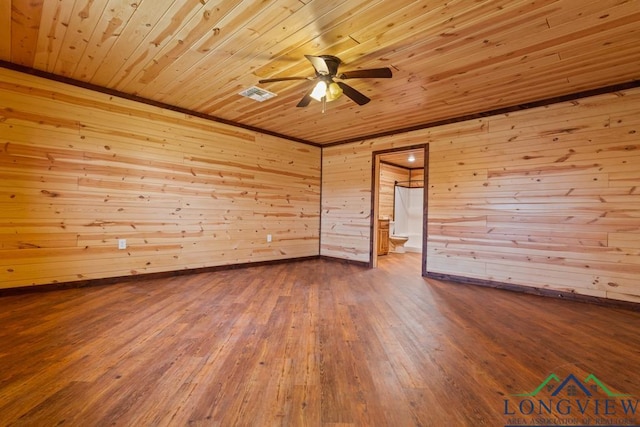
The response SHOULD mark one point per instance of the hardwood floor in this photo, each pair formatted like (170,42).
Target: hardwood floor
(317,343)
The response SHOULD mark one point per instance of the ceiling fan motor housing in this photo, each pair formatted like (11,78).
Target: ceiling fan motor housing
(332,62)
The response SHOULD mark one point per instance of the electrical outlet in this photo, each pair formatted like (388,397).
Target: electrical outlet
(122,243)
(268,238)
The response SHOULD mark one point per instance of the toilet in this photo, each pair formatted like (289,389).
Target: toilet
(397,242)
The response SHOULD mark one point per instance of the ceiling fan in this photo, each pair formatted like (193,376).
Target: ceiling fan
(326,67)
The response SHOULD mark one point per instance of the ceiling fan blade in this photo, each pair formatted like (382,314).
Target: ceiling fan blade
(283,79)
(306,99)
(356,96)
(373,73)
(319,64)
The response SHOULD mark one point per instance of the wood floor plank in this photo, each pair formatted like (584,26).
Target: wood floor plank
(311,343)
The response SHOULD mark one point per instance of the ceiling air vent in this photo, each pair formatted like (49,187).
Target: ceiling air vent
(257,94)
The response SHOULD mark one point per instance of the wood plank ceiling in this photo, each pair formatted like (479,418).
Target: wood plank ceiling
(450,58)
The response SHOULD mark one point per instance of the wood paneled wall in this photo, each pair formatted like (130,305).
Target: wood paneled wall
(417,175)
(389,174)
(546,197)
(82,169)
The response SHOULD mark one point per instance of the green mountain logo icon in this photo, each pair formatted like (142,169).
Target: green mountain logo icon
(572,380)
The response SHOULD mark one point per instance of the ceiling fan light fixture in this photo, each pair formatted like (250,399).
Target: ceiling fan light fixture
(330,92)
(320,91)
(333,91)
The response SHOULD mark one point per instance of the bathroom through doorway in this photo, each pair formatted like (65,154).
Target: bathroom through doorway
(399,203)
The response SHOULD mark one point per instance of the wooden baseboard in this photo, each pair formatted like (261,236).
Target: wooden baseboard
(346,261)
(148,276)
(571,296)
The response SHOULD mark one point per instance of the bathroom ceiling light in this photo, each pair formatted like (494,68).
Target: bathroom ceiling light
(411,158)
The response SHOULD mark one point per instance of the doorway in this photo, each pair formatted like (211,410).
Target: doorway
(405,168)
